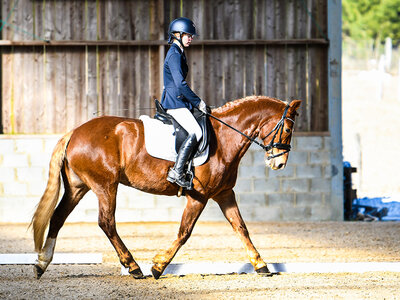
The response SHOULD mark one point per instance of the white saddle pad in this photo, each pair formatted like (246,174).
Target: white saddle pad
(160,141)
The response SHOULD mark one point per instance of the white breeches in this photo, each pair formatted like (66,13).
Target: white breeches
(184,117)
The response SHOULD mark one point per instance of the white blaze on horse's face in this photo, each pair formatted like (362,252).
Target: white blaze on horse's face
(276,163)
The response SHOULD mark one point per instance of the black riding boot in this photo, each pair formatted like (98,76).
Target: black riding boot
(176,173)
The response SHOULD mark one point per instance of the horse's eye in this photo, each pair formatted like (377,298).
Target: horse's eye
(287,130)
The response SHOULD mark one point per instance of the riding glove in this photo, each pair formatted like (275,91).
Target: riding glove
(203,107)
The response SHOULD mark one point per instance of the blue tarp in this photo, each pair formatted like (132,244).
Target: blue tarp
(392,205)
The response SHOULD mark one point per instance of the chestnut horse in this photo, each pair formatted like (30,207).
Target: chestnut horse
(107,151)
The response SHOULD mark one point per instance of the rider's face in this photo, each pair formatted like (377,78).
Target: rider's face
(187,39)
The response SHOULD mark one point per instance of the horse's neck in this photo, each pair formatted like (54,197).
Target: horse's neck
(233,144)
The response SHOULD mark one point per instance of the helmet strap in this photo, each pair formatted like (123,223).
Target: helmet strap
(173,37)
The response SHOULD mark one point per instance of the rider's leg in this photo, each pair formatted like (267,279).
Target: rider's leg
(185,118)
(176,174)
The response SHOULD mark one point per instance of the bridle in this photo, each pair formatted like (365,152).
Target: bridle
(278,129)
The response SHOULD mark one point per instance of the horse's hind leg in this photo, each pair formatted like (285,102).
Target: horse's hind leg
(107,204)
(190,215)
(70,199)
(228,205)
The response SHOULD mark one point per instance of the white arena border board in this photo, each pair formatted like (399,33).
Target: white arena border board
(239,268)
(58,258)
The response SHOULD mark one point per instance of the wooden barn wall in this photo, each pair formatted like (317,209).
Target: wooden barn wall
(52,89)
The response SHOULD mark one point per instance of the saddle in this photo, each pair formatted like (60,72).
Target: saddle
(180,133)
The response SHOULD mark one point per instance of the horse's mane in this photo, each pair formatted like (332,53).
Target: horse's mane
(229,106)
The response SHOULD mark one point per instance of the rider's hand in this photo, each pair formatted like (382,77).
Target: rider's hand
(203,107)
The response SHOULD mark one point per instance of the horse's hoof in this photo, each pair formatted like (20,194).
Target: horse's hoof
(38,271)
(156,273)
(264,272)
(137,273)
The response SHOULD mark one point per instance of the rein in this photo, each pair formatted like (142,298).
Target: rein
(277,129)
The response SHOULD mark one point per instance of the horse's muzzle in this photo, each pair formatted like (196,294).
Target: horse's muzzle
(276,163)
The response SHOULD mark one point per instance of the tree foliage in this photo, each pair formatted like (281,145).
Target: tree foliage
(372,19)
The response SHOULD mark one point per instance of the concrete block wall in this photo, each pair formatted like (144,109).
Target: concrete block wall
(301,191)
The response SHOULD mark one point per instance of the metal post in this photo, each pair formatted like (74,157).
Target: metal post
(335,106)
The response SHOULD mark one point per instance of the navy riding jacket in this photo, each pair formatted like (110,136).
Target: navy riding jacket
(177,93)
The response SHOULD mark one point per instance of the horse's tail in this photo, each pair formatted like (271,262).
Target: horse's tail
(48,202)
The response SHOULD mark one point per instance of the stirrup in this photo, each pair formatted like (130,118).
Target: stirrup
(180,179)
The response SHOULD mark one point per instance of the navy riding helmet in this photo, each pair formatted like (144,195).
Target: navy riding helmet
(181,25)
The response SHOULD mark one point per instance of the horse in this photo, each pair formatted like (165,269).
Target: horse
(109,150)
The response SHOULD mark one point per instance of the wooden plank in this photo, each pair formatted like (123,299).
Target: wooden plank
(210,54)
(155,24)
(216,89)
(207,32)
(319,88)
(174,9)
(124,20)
(260,19)
(92,93)
(300,92)
(220,18)
(18,92)
(144,100)
(113,103)
(227,62)
(281,72)
(238,73)
(155,77)
(91,20)
(28,101)
(249,71)
(102,81)
(52,59)
(248,20)
(300,70)
(60,19)
(126,71)
(13,12)
(198,18)
(270,53)
(71,87)
(237,22)
(197,71)
(77,20)
(187,9)
(60,91)
(7,90)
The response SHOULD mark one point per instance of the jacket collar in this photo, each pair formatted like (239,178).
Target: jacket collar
(177,47)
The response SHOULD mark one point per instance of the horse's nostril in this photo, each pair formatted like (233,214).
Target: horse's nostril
(280,166)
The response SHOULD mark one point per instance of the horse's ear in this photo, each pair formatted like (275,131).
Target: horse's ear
(295,104)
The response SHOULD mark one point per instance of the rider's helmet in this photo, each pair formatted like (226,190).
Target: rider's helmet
(181,25)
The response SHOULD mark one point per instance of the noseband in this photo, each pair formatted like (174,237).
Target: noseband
(277,129)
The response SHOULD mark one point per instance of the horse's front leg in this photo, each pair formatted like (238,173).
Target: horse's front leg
(192,211)
(227,202)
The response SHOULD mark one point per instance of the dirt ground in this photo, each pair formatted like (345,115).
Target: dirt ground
(276,242)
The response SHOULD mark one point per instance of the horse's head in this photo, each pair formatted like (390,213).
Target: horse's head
(276,135)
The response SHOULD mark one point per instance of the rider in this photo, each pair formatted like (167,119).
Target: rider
(177,98)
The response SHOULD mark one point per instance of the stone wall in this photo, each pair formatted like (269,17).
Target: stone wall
(302,191)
